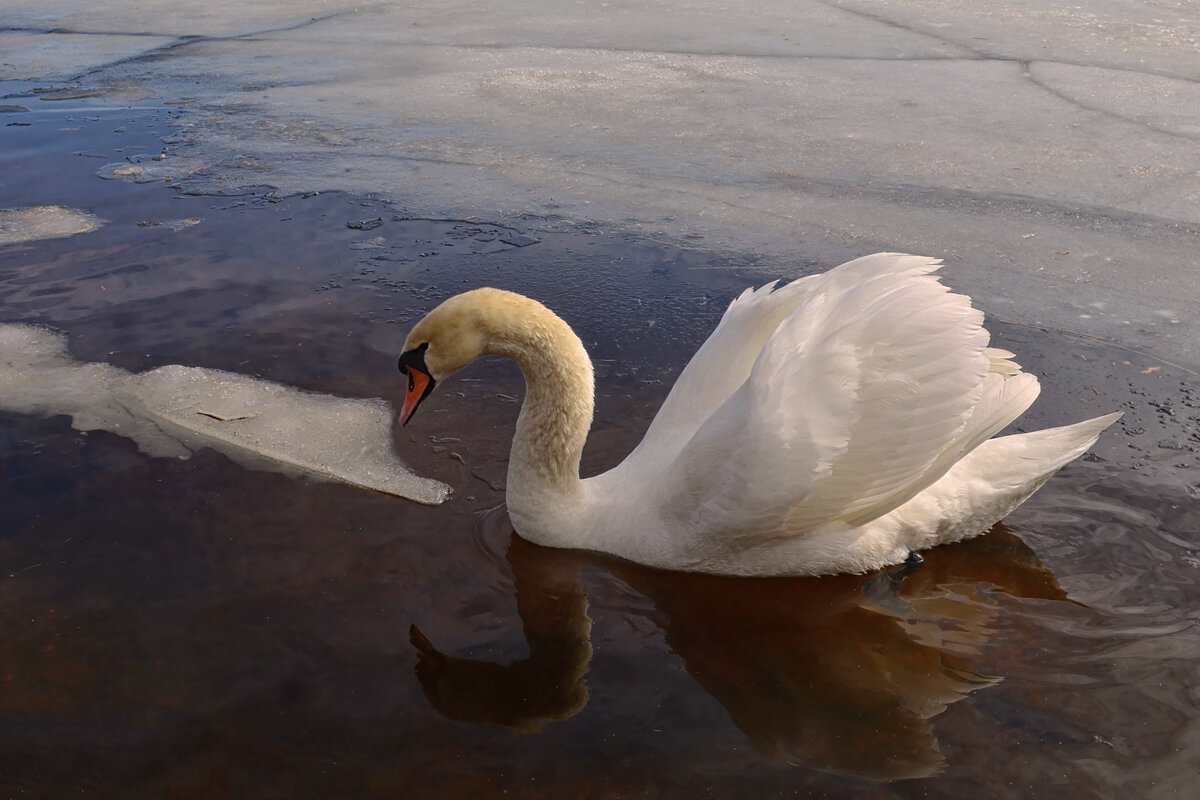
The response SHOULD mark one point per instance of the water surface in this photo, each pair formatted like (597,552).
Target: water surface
(194,628)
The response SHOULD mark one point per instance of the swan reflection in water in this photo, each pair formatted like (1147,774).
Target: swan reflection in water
(842,673)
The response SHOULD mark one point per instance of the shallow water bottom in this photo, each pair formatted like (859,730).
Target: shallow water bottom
(194,628)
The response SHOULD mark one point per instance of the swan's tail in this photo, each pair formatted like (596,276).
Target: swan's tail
(1038,455)
(999,475)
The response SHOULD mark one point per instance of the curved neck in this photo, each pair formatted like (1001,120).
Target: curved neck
(543,469)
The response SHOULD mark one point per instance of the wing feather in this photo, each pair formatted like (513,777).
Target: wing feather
(718,477)
(876,382)
(723,362)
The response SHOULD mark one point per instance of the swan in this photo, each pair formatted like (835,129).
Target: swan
(837,424)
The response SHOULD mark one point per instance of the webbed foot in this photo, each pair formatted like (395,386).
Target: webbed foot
(884,589)
(911,564)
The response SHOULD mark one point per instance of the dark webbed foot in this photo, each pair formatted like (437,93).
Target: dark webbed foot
(884,589)
(911,564)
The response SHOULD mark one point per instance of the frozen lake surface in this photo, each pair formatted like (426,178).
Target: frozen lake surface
(1047,150)
(282,189)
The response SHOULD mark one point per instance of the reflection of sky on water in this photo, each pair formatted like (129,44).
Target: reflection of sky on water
(1047,150)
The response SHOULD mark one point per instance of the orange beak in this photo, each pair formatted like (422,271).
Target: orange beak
(420,382)
(419,385)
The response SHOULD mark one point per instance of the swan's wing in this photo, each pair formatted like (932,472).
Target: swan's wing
(723,362)
(873,387)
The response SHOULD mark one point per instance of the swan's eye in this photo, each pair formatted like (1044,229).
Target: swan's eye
(414,359)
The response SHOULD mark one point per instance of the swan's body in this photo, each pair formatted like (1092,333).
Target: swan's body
(835,424)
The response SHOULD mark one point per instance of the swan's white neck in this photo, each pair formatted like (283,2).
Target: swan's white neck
(545,495)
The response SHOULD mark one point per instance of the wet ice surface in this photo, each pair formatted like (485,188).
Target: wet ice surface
(1047,149)
(198,629)
(174,410)
(43,222)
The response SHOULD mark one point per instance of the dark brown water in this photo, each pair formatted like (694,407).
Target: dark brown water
(197,629)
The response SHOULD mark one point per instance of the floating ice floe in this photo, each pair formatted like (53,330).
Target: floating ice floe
(174,411)
(44,222)
(148,168)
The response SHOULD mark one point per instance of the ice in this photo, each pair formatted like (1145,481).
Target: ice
(1047,150)
(144,168)
(175,410)
(28,54)
(44,222)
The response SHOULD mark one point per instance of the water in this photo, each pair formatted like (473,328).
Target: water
(192,628)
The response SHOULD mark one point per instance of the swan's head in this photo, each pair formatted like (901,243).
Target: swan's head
(446,340)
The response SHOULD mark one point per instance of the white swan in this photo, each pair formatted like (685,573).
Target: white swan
(835,424)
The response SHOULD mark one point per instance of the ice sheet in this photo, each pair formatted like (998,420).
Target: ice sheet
(174,410)
(1047,150)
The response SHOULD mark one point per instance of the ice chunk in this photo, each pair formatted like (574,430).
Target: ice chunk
(43,222)
(148,168)
(175,410)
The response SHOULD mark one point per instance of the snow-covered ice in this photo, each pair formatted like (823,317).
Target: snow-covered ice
(174,410)
(1050,151)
